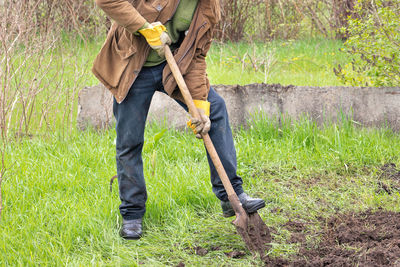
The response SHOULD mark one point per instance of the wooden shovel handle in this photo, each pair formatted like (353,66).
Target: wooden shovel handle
(206,138)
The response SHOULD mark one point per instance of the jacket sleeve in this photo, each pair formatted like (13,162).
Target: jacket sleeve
(196,76)
(122,12)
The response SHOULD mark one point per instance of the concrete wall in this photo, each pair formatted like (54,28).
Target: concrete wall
(368,106)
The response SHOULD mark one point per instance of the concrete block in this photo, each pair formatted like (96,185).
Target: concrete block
(95,108)
(368,106)
(165,110)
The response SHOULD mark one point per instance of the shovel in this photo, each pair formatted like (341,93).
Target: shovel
(251,227)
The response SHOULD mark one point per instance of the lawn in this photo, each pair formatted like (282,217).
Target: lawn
(301,62)
(308,62)
(58,208)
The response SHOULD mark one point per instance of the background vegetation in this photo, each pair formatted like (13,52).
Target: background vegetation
(279,19)
(374,43)
(59,210)
(57,207)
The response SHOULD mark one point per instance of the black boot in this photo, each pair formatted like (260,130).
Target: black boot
(131,229)
(250,205)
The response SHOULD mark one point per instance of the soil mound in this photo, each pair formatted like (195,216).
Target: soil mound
(355,239)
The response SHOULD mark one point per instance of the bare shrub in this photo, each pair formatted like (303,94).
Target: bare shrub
(282,19)
(40,69)
(2,172)
(29,68)
(234,17)
(40,74)
(255,58)
(258,60)
(77,16)
(341,11)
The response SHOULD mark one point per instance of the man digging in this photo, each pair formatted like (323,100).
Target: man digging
(132,65)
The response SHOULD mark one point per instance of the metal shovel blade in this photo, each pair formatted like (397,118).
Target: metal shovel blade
(254,232)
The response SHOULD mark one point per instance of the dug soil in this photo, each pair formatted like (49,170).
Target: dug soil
(389,179)
(355,239)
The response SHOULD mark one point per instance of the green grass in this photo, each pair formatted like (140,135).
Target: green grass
(307,62)
(301,62)
(41,89)
(58,209)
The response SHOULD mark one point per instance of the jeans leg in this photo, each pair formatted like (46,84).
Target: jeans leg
(221,136)
(131,117)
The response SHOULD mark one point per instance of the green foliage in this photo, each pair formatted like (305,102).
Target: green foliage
(374,44)
(300,62)
(58,209)
(306,62)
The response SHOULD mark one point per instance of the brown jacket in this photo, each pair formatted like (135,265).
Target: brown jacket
(124,53)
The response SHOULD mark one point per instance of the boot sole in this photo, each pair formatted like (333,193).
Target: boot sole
(131,237)
(253,209)
(256,207)
(230,214)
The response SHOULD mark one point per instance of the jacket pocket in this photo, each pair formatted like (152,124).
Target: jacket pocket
(114,57)
(123,44)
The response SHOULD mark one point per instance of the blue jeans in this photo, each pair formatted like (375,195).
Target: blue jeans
(131,117)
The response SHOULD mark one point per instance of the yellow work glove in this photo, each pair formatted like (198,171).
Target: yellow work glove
(203,125)
(156,36)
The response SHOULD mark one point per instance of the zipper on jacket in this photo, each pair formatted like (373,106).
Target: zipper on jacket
(186,51)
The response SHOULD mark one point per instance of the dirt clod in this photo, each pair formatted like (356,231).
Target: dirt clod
(294,226)
(354,239)
(181,264)
(200,251)
(276,210)
(297,238)
(215,248)
(235,254)
(389,172)
(383,187)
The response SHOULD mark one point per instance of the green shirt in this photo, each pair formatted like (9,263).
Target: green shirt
(179,23)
